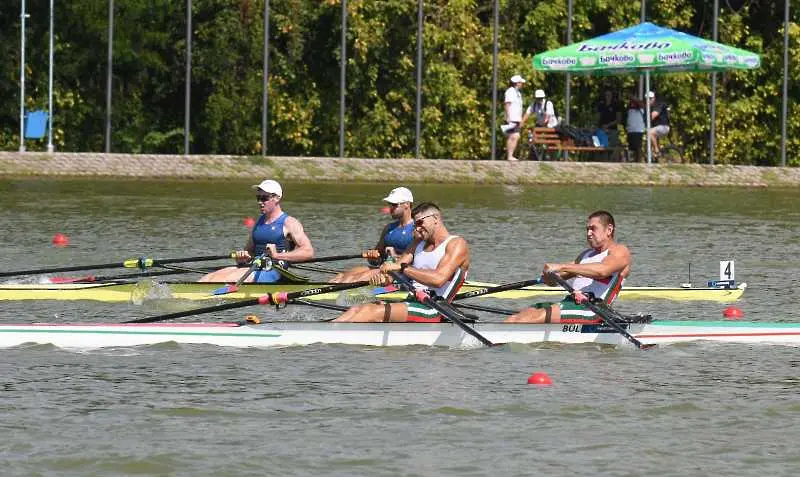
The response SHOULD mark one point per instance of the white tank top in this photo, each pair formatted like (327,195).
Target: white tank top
(607,288)
(429,261)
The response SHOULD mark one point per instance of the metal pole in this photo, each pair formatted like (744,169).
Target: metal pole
(647,115)
(495,26)
(567,91)
(785,81)
(22,17)
(265,84)
(642,19)
(712,134)
(110,67)
(187,110)
(419,78)
(50,87)
(342,79)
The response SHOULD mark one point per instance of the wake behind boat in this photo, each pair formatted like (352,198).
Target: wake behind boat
(130,291)
(292,333)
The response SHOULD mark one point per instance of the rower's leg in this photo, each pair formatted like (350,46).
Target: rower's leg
(375,313)
(227,274)
(551,313)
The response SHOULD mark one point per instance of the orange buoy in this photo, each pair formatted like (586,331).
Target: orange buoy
(732,313)
(60,240)
(385,210)
(540,379)
(249,222)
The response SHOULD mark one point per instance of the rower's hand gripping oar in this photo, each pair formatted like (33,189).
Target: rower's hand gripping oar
(441,306)
(140,263)
(263,262)
(277,298)
(602,311)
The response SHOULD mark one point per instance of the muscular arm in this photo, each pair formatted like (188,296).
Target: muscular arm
(381,246)
(618,260)
(303,250)
(456,256)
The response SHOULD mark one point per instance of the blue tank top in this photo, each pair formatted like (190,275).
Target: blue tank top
(398,236)
(265,233)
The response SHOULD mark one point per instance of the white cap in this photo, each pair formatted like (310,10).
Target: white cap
(399,195)
(539,93)
(517,79)
(270,187)
(651,94)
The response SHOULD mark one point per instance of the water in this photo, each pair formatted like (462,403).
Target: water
(697,409)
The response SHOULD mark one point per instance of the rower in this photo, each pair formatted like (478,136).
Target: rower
(435,261)
(275,233)
(598,271)
(393,240)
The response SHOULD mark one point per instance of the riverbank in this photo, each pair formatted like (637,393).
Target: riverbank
(320,169)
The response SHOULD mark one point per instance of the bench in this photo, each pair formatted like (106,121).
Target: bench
(543,141)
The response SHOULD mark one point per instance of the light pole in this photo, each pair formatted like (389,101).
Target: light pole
(22,16)
(110,67)
(50,88)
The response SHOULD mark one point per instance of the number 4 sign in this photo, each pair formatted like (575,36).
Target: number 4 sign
(726,270)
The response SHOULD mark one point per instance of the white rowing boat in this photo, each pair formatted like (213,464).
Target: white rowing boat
(390,334)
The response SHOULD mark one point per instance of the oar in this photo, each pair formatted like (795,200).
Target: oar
(497,289)
(107,278)
(276,298)
(334,258)
(140,263)
(442,307)
(257,263)
(603,312)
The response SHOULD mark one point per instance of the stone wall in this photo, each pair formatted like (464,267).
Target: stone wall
(317,169)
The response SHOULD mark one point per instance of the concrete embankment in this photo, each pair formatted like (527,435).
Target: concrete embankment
(318,169)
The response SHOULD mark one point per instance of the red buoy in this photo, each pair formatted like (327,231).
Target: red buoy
(60,240)
(732,313)
(249,222)
(540,379)
(385,210)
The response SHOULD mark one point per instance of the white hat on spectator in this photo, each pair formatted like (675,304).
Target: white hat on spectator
(517,79)
(399,195)
(651,94)
(538,94)
(270,186)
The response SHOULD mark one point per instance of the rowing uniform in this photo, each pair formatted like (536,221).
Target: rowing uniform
(418,312)
(605,289)
(269,233)
(399,236)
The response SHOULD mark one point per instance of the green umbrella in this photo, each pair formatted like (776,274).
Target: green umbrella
(645,48)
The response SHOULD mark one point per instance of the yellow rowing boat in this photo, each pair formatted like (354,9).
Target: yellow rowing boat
(137,292)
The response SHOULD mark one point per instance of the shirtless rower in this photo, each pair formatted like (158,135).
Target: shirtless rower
(435,260)
(279,234)
(599,270)
(393,240)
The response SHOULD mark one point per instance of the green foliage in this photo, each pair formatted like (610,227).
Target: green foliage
(381,53)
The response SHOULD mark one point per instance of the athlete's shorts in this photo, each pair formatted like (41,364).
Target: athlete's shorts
(421,313)
(569,309)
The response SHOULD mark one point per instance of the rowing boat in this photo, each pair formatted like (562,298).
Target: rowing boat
(391,334)
(137,291)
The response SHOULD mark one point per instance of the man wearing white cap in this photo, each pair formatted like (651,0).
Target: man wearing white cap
(513,108)
(393,240)
(275,233)
(543,110)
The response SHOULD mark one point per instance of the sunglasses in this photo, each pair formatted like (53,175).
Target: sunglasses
(265,198)
(421,221)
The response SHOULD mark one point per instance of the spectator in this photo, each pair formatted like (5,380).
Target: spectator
(513,109)
(542,109)
(634,127)
(609,115)
(659,122)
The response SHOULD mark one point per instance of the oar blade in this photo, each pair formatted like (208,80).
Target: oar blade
(232,288)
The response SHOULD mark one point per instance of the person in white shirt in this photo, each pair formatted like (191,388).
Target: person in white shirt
(542,108)
(513,109)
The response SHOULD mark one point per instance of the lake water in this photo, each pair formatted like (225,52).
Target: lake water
(699,409)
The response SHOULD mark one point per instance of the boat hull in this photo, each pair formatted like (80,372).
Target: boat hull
(389,334)
(147,290)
